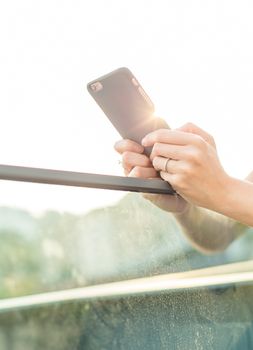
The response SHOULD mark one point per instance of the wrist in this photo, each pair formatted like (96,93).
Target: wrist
(225,197)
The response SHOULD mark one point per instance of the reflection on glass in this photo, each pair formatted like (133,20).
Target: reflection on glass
(117,237)
(53,249)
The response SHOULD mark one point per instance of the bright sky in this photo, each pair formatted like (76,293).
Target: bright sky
(194,58)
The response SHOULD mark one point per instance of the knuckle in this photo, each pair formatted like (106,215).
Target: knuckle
(198,149)
(198,140)
(195,156)
(187,170)
(212,141)
(190,126)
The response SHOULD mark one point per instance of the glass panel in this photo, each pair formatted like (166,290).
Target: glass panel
(203,319)
(56,238)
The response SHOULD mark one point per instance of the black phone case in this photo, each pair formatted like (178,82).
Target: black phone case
(126,104)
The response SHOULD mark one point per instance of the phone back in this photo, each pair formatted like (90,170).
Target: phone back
(126,104)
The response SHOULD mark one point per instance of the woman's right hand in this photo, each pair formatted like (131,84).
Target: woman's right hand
(136,164)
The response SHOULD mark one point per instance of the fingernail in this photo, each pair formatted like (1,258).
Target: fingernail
(144,142)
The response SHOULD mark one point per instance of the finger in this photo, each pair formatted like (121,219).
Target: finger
(175,180)
(194,129)
(131,159)
(175,137)
(126,172)
(169,178)
(144,173)
(167,165)
(169,151)
(128,145)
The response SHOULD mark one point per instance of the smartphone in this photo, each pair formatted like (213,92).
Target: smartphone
(126,104)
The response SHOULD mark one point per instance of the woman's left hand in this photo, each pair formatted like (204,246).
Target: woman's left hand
(188,160)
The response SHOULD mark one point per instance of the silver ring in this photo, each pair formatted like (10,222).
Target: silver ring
(166,164)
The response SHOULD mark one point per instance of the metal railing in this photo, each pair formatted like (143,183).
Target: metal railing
(69,178)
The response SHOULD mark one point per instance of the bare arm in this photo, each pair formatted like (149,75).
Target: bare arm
(213,209)
(238,203)
(210,231)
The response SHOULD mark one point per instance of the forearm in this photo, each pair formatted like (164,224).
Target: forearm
(229,215)
(237,201)
(209,231)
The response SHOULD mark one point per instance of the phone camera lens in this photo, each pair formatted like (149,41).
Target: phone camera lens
(96,86)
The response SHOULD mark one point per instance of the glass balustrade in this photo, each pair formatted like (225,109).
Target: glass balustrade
(90,268)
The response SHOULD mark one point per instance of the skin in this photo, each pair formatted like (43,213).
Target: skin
(195,172)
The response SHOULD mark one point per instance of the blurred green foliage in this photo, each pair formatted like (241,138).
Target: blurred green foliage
(130,239)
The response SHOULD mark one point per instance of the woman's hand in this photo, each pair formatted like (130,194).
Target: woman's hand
(134,162)
(193,168)
(137,164)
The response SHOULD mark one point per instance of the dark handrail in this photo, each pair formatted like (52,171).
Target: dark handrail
(70,178)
